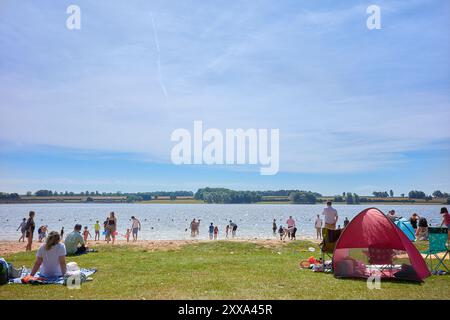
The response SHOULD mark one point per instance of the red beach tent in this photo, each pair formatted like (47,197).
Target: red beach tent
(372,245)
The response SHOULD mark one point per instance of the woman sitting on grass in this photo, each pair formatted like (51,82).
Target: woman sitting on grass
(51,257)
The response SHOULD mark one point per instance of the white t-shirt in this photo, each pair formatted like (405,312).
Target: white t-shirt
(330,214)
(318,223)
(50,265)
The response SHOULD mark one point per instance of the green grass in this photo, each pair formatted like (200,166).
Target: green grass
(215,270)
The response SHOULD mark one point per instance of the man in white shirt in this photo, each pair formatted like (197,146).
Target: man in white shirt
(318,226)
(331,216)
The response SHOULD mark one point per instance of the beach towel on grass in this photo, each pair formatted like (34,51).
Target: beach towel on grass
(85,274)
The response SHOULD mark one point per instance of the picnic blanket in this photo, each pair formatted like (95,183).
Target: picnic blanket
(85,274)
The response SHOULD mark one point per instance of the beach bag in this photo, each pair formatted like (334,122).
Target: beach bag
(3,271)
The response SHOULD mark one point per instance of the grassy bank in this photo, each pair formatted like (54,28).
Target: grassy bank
(215,270)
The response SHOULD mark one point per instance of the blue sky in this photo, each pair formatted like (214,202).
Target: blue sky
(93,109)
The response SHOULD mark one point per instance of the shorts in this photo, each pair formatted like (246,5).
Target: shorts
(135,231)
(330,226)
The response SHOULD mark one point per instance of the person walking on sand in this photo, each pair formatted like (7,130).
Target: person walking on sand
(211,231)
(111,228)
(23,229)
(318,226)
(30,230)
(135,227)
(331,216)
(216,232)
(97,231)
(274,226)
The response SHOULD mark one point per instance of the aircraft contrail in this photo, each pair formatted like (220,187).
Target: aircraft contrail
(158,59)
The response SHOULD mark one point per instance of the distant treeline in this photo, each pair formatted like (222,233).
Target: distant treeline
(223,195)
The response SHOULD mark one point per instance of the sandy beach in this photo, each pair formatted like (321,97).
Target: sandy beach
(10,247)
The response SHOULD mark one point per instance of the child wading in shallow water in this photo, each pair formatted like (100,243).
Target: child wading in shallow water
(216,232)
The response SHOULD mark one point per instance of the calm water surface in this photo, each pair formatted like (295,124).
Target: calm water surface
(170,221)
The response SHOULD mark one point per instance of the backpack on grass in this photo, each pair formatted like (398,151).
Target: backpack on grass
(3,271)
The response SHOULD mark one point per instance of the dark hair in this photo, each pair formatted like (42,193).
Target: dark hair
(78,226)
(444,210)
(132,217)
(31,214)
(328,203)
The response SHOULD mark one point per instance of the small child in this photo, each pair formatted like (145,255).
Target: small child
(127,235)
(281,232)
(216,232)
(86,233)
(227,229)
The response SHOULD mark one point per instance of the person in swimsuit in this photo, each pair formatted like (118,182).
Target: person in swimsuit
(111,227)
(30,230)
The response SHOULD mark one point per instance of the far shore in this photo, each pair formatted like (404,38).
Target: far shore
(185,201)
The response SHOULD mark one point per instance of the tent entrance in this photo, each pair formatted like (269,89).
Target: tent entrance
(366,262)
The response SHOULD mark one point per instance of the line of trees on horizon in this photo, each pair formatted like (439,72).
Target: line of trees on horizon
(224,195)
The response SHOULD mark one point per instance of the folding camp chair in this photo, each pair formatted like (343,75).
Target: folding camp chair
(383,259)
(437,244)
(329,239)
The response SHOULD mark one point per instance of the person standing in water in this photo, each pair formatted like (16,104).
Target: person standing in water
(111,227)
(233,227)
(193,226)
(346,222)
(318,226)
(30,230)
(211,231)
(62,233)
(227,230)
(274,226)
(23,229)
(291,226)
(216,232)
(135,227)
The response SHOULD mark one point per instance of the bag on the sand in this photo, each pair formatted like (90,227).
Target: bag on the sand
(3,271)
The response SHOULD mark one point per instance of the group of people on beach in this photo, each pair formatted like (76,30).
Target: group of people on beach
(213,230)
(289,231)
(27,228)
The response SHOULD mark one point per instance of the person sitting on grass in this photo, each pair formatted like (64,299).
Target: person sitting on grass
(51,257)
(74,242)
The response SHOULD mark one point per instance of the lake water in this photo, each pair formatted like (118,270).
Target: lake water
(169,221)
